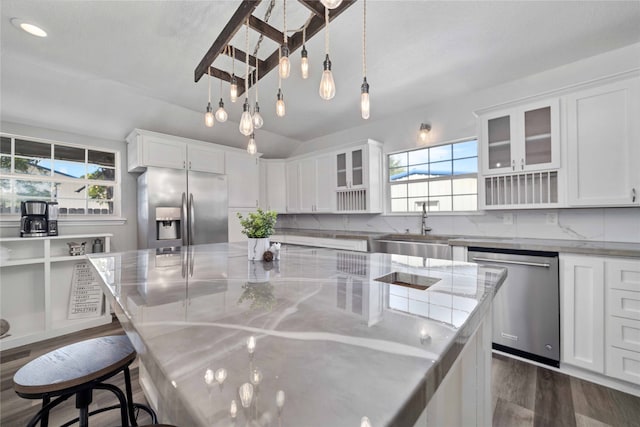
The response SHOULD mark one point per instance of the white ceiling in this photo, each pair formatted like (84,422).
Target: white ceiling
(110,66)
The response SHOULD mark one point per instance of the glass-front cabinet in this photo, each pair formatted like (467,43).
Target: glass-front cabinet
(350,169)
(521,139)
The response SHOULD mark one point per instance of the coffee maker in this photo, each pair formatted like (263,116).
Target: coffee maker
(34,219)
(52,218)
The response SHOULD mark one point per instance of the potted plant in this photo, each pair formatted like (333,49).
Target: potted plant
(258,226)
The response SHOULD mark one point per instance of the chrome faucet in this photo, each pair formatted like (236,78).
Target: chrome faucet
(423,227)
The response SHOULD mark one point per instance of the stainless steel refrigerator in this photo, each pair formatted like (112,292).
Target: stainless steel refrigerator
(177,208)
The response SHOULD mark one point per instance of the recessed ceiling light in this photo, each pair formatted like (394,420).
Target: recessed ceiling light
(28,27)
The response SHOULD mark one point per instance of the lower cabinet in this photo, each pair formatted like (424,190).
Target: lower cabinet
(600,315)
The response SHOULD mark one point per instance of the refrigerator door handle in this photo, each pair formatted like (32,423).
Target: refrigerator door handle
(192,219)
(185,216)
(191,261)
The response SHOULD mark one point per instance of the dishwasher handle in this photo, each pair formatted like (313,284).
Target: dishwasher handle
(504,261)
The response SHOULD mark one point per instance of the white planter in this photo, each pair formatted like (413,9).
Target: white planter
(257,247)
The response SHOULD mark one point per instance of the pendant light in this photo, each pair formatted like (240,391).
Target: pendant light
(331,4)
(246,122)
(364,89)
(208,116)
(251,147)
(304,62)
(257,118)
(284,65)
(280,110)
(327,85)
(221,113)
(233,88)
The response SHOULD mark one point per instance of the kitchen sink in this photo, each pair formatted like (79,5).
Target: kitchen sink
(408,280)
(429,246)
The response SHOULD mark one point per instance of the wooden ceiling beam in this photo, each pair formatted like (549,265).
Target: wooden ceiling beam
(242,57)
(245,10)
(314,6)
(239,17)
(266,29)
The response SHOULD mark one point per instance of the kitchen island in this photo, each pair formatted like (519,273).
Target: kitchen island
(318,338)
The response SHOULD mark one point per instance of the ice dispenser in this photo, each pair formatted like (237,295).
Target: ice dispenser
(168,223)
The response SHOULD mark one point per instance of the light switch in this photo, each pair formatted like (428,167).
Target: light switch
(552,218)
(507,218)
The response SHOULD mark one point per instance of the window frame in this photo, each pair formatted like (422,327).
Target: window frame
(85,217)
(388,183)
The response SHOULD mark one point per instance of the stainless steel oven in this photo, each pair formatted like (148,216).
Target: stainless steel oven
(526,309)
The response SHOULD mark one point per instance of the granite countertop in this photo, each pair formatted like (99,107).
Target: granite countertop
(585,247)
(326,339)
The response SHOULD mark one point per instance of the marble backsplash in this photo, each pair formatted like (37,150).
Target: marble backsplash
(597,224)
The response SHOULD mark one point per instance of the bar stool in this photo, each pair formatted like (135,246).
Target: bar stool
(78,369)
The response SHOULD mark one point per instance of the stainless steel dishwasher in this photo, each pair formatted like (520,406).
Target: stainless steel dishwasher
(526,309)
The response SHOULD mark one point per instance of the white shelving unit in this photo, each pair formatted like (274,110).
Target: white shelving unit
(35,285)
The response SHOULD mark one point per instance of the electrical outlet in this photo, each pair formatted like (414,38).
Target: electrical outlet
(552,218)
(507,218)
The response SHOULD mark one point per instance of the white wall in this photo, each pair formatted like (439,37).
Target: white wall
(124,234)
(453,119)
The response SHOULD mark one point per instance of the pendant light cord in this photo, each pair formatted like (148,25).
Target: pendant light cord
(209,72)
(255,80)
(364,39)
(233,61)
(284,12)
(326,33)
(246,79)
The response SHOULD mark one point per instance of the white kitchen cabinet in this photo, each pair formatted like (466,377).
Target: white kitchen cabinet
(582,311)
(146,148)
(600,315)
(243,174)
(273,185)
(293,186)
(622,354)
(603,145)
(36,286)
(522,138)
(359,182)
(316,189)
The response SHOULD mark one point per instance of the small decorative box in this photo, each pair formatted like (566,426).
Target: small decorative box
(76,249)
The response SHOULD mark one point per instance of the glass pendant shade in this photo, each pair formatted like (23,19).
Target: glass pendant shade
(233,89)
(331,4)
(257,117)
(364,99)
(246,394)
(423,135)
(327,85)
(304,64)
(208,116)
(284,66)
(280,110)
(221,113)
(251,147)
(246,123)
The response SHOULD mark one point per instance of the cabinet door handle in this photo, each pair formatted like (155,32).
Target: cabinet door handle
(513,165)
(184,164)
(189,164)
(522,164)
(633,195)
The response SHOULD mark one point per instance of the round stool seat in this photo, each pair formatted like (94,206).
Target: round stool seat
(74,365)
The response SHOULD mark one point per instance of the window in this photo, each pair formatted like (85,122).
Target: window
(445,177)
(82,180)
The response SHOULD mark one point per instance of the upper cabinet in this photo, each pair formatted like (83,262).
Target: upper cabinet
(273,186)
(520,155)
(243,174)
(603,145)
(521,139)
(359,174)
(147,148)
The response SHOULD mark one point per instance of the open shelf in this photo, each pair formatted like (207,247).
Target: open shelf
(41,270)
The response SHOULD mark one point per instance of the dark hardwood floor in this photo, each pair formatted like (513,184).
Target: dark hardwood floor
(524,395)
(527,395)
